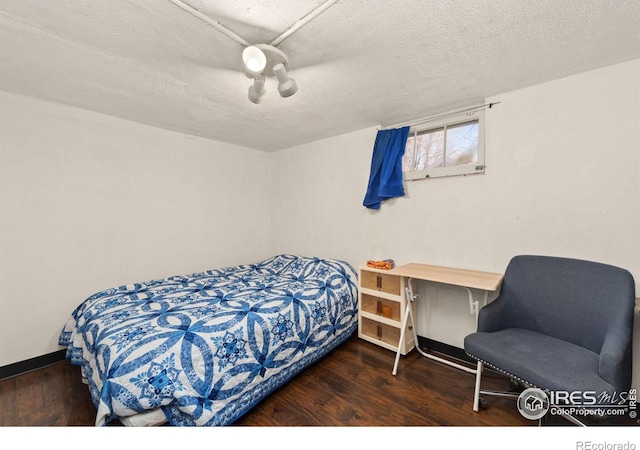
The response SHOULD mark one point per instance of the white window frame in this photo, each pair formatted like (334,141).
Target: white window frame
(450,171)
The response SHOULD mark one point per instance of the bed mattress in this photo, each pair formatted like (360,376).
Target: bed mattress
(202,349)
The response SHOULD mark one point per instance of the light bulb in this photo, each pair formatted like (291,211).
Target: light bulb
(254,59)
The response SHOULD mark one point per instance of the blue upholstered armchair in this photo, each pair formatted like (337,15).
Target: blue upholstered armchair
(558,324)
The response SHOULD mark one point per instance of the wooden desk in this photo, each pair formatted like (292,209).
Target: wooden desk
(474,279)
(467,279)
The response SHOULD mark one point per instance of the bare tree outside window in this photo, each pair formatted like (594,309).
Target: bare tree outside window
(424,150)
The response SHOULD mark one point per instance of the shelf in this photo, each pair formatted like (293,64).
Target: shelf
(384,320)
(381,331)
(381,307)
(378,331)
(375,340)
(378,280)
(374,293)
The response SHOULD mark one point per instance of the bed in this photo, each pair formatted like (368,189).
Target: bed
(203,349)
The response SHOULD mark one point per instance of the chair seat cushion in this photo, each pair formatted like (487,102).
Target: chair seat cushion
(540,360)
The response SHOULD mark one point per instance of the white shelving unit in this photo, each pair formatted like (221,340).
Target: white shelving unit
(382,306)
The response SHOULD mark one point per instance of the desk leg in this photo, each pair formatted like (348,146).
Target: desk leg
(408,314)
(402,334)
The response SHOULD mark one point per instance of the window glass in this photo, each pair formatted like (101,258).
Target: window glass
(447,147)
(462,144)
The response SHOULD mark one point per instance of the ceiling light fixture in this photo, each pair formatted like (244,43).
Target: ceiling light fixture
(262,60)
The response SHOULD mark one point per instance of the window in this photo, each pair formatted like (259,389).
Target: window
(445,147)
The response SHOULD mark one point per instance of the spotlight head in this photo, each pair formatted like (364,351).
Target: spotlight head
(256,90)
(286,86)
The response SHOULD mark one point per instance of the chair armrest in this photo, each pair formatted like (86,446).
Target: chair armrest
(494,316)
(615,365)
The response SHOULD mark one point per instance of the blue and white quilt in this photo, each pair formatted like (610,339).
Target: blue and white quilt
(206,347)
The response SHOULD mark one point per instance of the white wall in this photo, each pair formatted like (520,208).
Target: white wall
(89,202)
(562,178)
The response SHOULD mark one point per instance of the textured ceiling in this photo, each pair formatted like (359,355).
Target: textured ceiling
(360,63)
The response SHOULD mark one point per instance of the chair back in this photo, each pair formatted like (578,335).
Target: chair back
(569,299)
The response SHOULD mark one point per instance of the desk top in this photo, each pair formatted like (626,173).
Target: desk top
(449,275)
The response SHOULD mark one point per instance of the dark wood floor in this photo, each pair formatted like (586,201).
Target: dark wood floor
(353,386)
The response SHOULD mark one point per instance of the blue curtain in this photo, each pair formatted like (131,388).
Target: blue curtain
(385,180)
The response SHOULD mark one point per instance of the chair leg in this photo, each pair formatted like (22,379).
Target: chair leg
(476,394)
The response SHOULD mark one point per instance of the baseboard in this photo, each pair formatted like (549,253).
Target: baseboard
(444,349)
(32,364)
